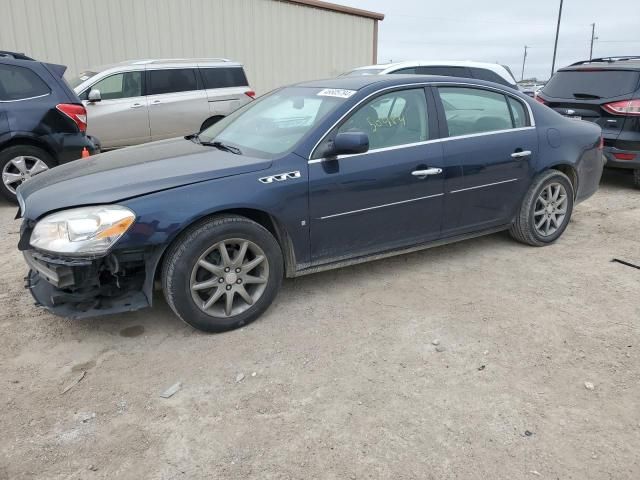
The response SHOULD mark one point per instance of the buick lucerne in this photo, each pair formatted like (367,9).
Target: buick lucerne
(314,176)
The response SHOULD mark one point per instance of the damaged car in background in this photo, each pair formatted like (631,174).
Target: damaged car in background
(314,176)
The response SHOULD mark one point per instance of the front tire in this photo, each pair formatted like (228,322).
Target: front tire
(545,211)
(223,273)
(20,163)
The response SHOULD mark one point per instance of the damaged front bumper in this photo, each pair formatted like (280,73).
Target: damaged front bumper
(87,287)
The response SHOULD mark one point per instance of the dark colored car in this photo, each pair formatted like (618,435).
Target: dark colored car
(310,177)
(42,121)
(605,91)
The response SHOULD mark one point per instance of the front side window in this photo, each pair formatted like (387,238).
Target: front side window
(396,118)
(489,76)
(120,85)
(223,77)
(472,110)
(405,71)
(172,81)
(275,123)
(19,83)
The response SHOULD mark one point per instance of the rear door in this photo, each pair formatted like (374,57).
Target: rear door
(489,152)
(121,117)
(177,102)
(583,94)
(226,89)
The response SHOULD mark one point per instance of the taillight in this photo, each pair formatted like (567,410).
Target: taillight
(623,107)
(601,146)
(75,112)
(625,156)
(250,93)
(539,99)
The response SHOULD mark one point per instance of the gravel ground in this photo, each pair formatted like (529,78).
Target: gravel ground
(341,379)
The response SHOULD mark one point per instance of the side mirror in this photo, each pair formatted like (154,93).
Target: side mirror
(350,142)
(94,95)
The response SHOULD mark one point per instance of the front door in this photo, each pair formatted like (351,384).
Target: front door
(121,117)
(177,103)
(489,152)
(386,198)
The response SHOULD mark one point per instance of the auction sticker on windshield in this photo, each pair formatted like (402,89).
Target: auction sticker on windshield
(336,92)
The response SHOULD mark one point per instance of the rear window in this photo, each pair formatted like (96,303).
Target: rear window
(19,83)
(223,77)
(172,80)
(591,83)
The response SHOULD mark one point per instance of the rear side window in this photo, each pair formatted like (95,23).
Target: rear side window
(472,110)
(223,77)
(408,71)
(520,118)
(462,72)
(19,83)
(591,84)
(489,76)
(172,80)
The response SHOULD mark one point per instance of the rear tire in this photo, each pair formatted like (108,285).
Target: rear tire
(636,178)
(19,163)
(545,210)
(222,273)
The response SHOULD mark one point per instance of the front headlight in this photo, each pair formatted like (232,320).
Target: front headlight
(86,230)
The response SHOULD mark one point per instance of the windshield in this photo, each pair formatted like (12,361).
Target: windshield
(363,71)
(275,123)
(83,77)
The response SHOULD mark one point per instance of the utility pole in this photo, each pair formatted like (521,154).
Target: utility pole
(555,46)
(593,37)
(524,59)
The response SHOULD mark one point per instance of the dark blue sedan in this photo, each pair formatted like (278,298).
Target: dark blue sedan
(310,177)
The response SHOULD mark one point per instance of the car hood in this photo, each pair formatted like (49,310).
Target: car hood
(130,172)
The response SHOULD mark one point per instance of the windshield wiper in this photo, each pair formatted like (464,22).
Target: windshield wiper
(194,137)
(586,95)
(223,146)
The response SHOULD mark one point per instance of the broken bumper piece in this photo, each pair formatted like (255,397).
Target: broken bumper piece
(83,288)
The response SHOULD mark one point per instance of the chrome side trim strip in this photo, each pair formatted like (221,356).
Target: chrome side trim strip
(532,120)
(485,185)
(408,145)
(23,99)
(381,206)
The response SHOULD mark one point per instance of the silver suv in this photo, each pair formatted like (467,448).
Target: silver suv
(144,100)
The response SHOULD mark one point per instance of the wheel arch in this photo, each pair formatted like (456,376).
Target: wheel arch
(30,141)
(261,217)
(570,171)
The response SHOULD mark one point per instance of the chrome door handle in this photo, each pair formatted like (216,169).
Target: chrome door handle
(523,153)
(136,105)
(156,102)
(428,171)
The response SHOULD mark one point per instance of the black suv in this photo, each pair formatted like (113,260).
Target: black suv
(605,91)
(42,121)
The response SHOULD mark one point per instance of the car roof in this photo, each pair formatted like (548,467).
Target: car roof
(359,82)
(604,65)
(169,62)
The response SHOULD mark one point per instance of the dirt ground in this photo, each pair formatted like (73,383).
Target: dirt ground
(342,379)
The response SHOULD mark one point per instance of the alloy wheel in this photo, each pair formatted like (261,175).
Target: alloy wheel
(20,169)
(229,277)
(550,209)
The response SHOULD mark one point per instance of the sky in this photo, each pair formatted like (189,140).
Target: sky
(498,30)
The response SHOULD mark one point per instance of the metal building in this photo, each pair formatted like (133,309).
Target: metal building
(279,41)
